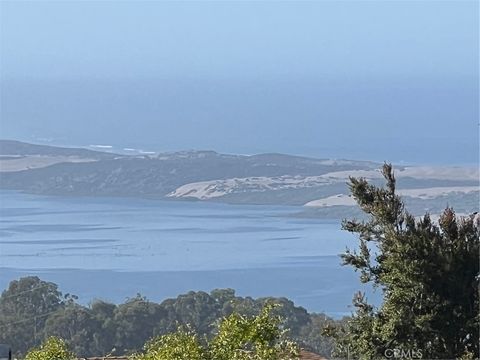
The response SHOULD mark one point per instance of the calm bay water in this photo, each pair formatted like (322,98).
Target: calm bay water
(112,248)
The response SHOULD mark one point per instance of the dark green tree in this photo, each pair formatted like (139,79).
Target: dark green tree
(76,325)
(197,309)
(24,308)
(104,328)
(104,336)
(428,274)
(135,321)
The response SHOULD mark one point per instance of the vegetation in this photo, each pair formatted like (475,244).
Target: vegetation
(24,309)
(428,274)
(181,345)
(31,310)
(239,338)
(52,349)
(258,338)
(427,271)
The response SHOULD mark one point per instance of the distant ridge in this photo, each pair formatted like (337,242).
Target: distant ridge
(19,148)
(205,175)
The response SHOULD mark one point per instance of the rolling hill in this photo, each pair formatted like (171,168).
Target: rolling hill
(319,184)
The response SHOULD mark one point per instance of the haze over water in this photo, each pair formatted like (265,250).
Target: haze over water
(383,80)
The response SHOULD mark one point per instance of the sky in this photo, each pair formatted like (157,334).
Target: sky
(377,80)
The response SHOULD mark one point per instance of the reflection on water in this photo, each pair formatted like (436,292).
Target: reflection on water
(256,249)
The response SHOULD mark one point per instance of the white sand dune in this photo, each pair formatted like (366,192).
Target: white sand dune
(425,193)
(420,172)
(334,200)
(430,193)
(216,188)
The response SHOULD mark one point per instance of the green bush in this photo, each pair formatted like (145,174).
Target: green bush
(239,338)
(52,349)
(181,345)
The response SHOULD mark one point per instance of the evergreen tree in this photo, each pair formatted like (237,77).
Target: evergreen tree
(428,274)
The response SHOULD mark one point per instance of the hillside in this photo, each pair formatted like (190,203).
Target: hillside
(319,184)
(18,156)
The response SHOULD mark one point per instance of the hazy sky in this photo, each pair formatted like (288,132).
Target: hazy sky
(380,80)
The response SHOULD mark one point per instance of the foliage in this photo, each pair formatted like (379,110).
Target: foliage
(312,338)
(428,274)
(75,323)
(24,308)
(134,322)
(181,345)
(239,337)
(103,328)
(252,338)
(52,349)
